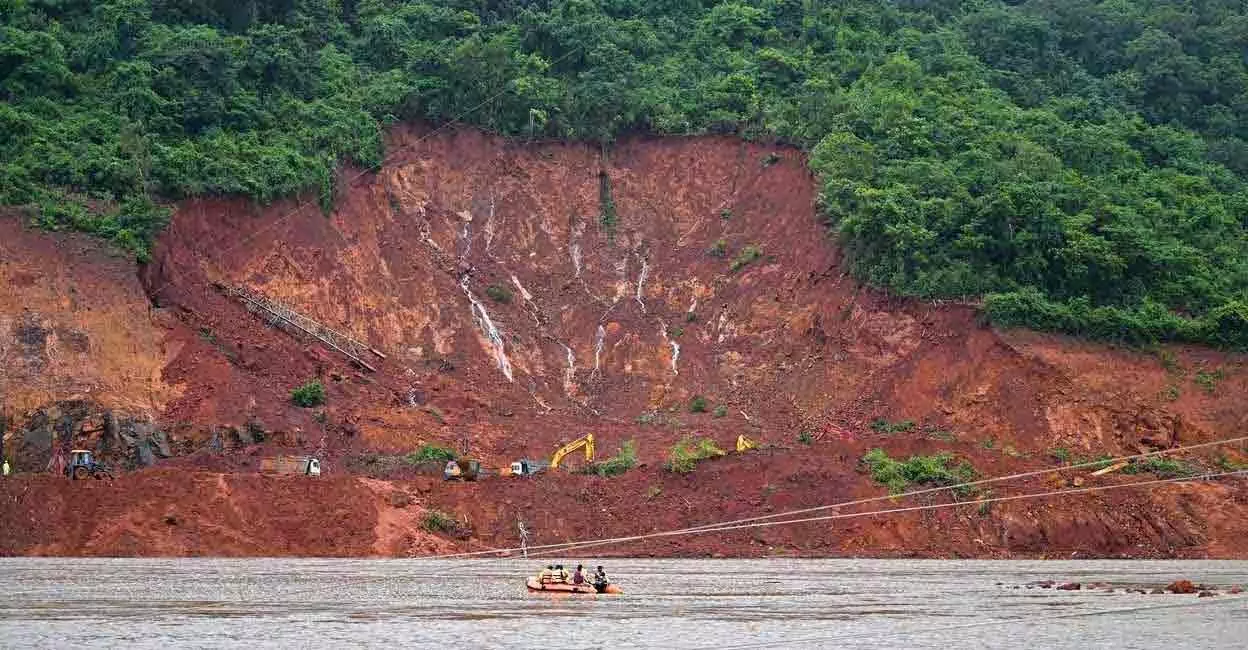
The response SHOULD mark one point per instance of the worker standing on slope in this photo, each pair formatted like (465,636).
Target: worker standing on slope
(6,467)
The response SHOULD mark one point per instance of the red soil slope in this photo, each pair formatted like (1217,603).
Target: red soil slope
(619,287)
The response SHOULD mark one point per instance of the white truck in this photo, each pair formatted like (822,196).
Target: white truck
(306,465)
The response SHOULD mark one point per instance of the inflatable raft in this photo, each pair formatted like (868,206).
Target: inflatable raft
(535,584)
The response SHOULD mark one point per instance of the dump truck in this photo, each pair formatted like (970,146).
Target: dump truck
(463,469)
(306,465)
(525,467)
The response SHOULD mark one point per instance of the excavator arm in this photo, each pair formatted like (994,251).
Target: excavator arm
(586,442)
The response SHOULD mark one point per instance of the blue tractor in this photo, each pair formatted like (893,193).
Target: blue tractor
(82,466)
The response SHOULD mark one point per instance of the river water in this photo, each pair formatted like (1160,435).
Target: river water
(162,603)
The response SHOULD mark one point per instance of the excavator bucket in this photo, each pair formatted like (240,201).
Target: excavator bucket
(745,444)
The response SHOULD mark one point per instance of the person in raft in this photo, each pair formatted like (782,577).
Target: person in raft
(600,578)
(578,576)
(561,574)
(547,575)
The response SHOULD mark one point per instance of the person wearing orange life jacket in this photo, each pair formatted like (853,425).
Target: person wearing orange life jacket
(547,575)
(561,574)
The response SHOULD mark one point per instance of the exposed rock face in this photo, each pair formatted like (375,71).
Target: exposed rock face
(523,295)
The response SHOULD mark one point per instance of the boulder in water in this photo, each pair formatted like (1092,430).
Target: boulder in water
(1182,587)
(1070,586)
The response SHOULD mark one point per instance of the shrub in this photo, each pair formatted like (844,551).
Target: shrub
(1208,381)
(718,249)
(426,453)
(498,293)
(1061,454)
(720,411)
(685,455)
(936,470)
(698,404)
(690,317)
(1160,467)
(436,521)
(880,425)
(308,395)
(805,437)
(771,159)
(726,213)
(625,460)
(746,257)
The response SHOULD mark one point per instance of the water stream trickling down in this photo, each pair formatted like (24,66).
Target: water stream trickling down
(491,332)
(599,338)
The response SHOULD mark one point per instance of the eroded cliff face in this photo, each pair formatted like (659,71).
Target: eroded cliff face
(525,294)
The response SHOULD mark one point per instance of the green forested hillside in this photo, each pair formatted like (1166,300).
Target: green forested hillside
(1081,164)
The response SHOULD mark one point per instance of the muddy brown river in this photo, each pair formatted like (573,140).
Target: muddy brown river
(162,603)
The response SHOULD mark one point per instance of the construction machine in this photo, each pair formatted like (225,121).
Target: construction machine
(745,444)
(82,465)
(305,465)
(463,469)
(585,442)
(525,467)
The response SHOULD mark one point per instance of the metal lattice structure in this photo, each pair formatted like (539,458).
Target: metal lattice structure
(283,316)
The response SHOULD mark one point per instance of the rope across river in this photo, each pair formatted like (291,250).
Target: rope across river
(792,516)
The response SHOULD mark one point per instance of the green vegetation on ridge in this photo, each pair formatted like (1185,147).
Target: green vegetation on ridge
(1080,164)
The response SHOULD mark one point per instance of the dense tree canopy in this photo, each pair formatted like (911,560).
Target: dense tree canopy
(1082,165)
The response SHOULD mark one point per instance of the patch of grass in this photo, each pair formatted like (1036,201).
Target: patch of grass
(208,335)
(308,395)
(691,317)
(1228,464)
(623,461)
(1060,454)
(718,249)
(985,508)
(880,425)
(436,413)
(653,492)
(937,470)
(746,257)
(805,437)
(426,453)
(1161,467)
(698,404)
(989,443)
(1170,362)
(685,455)
(725,214)
(720,411)
(1208,381)
(498,293)
(436,521)
(650,417)
(1171,393)
(942,435)
(675,332)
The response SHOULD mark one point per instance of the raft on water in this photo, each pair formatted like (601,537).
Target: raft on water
(535,584)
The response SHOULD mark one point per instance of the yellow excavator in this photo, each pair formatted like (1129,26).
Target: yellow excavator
(585,442)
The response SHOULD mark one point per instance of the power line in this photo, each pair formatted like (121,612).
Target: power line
(871,513)
(844,504)
(549,549)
